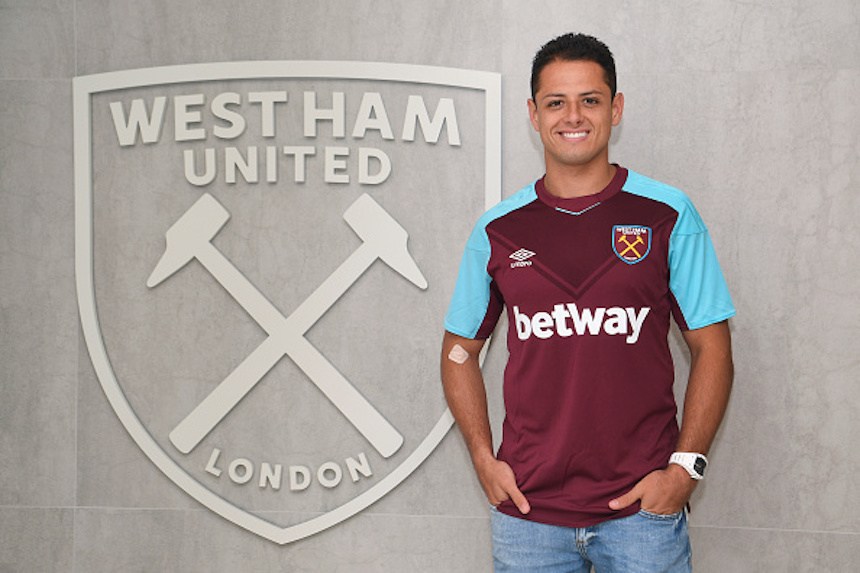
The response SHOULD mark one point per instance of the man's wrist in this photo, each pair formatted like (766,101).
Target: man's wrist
(483,458)
(693,463)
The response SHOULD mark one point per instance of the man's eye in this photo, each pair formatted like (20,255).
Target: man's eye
(591,101)
(554,103)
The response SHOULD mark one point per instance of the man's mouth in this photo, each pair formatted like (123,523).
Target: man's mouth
(574,135)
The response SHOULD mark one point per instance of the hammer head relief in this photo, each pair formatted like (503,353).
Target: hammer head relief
(192,232)
(385,236)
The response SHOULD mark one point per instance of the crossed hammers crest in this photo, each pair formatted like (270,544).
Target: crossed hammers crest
(190,237)
(631,246)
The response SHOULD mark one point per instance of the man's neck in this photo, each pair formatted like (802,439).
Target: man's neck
(569,181)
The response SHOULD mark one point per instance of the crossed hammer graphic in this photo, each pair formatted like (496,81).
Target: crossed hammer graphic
(190,237)
(630,246)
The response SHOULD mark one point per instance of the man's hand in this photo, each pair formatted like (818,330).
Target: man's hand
(663,492)
(499,483)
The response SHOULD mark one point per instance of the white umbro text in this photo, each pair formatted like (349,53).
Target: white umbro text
(521,258)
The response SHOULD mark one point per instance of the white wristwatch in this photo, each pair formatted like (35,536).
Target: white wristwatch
(695,464)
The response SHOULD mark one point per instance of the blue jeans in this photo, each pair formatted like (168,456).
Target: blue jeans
(642,543)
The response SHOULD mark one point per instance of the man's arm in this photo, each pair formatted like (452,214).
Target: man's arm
(466,395)
(711,373)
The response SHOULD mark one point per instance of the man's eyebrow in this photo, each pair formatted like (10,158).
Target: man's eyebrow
(594,92)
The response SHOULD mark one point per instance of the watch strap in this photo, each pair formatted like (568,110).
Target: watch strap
(694,463)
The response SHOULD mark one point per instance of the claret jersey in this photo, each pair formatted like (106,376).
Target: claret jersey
(589,285)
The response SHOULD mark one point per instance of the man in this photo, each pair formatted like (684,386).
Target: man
(589,262)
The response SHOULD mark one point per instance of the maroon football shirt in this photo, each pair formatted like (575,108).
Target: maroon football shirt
(588,284)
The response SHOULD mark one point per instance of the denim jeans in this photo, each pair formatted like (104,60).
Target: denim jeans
(642,543)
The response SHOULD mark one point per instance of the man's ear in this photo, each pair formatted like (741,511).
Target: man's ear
(617,108)
(533,113)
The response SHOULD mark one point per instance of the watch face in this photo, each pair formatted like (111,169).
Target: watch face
(700,466)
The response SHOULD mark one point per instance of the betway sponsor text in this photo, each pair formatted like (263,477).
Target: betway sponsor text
(567,320)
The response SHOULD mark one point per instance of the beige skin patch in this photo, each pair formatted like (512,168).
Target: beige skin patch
(458,354)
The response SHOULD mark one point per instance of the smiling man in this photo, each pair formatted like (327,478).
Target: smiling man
(590,262)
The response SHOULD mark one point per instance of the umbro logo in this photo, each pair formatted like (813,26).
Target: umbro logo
(522,255)
(521,258)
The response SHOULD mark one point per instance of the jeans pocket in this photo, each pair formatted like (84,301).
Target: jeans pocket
(669,517)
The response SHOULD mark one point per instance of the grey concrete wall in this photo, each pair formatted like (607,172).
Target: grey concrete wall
(751,108)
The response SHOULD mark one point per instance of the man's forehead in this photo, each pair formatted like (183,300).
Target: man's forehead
(572,77)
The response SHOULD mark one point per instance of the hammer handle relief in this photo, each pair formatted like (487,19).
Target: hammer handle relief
(370,423)
(353,405)
(332,288)
(208,413)
(241,289)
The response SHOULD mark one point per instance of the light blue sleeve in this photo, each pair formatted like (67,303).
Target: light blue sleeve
(695,277)
(472,292)
(471,298)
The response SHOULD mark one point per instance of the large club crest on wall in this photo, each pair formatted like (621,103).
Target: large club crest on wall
(264,252)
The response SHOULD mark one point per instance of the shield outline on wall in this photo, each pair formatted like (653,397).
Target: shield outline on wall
(84,87)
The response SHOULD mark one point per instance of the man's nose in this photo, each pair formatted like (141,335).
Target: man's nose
(574,112)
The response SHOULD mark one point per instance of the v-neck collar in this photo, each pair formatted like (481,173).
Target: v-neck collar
(579,205)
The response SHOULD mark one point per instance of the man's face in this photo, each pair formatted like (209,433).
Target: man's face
(574,112)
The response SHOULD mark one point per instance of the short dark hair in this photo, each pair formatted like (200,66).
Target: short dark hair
(571,48)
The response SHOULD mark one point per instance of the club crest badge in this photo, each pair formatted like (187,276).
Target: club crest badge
(253,243)
(631,243)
